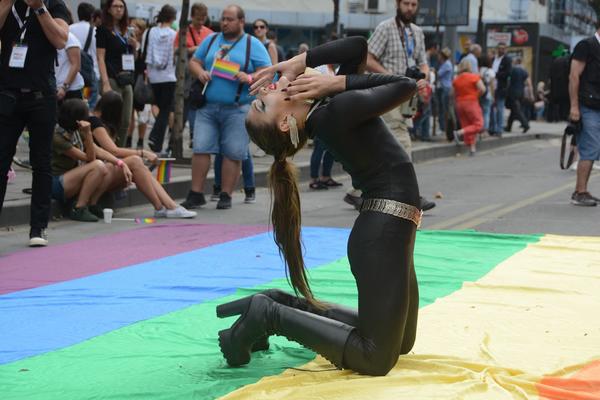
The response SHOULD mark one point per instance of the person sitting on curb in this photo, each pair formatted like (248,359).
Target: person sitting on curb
(104,122)
(76,170)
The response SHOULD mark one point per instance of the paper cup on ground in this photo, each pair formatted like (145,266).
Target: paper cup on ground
(108,213)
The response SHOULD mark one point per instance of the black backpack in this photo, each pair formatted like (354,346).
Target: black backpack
(559,78)
(87,63)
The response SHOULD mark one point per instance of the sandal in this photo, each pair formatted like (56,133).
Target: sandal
(318,185)
(331,183)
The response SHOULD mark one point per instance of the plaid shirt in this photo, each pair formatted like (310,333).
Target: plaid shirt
(386,45)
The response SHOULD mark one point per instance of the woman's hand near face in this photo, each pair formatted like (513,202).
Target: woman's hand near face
(306,87)
(289,69)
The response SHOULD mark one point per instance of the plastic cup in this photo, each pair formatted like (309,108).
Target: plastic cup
(108,213)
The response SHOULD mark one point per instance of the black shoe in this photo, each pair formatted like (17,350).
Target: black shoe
(318,185)
(250,195)
(216,192)
(38,237)
(526,129)
(128,142)
(426,204)
(96,210)
(194,200)
(154,146)
(584,199)
(507,129)
(224,202)
(264,317)
(140,144)
(82,214)
(354,201)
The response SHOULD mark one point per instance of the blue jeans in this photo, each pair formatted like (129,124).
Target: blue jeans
(422,125)
(221,129)
(486,108)
(319,154)
(443,98)
(499,115)
(93,95)
(247,171)
(588,141)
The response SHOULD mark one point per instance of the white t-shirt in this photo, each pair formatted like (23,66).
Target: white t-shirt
(160,62)
(81,30)
(64,65)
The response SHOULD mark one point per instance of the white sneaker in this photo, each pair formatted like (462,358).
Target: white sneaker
(596,166)
(574,166)
(180,212)
(38,238)
(162,213)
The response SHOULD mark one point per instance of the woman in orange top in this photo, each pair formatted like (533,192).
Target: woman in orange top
(468,87)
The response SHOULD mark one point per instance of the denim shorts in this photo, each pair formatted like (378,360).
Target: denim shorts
(588,141)
(221,129)
(58,188)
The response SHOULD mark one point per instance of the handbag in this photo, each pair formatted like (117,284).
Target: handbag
(142,91)
(196,97)
(124,78)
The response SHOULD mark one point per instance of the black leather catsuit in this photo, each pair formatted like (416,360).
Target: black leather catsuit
(380,247)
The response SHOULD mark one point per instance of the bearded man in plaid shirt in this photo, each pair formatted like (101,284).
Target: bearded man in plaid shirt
(396,45)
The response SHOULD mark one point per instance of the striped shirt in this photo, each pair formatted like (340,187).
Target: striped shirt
(387,46)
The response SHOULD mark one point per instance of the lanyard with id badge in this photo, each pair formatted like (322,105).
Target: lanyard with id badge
(19,50)
(127,60)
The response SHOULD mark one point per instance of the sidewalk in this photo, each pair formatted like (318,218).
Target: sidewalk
(16,203)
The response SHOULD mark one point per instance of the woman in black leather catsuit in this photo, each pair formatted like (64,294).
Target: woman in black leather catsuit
(380,247)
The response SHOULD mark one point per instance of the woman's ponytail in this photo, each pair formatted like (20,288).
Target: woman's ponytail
(286,219)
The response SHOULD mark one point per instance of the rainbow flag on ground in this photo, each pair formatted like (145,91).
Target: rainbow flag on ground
(225,69)
(132,315)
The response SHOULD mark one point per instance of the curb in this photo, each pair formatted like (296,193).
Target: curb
(178,188)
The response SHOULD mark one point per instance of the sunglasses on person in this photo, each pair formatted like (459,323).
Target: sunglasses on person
(259,27)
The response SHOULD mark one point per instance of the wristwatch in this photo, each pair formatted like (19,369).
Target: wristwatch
(40,11)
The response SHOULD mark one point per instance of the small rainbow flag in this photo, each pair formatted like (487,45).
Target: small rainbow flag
(225,69)
(145,220)
(163,172)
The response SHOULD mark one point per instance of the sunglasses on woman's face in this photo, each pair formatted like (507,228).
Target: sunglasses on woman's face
(259,27)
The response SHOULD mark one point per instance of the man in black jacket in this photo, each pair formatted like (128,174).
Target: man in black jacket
(502,66)
(30,33)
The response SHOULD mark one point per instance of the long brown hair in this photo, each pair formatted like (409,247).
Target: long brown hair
(285,201)
(108,21)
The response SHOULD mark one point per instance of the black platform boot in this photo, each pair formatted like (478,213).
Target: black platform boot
(264,316)
(334,311)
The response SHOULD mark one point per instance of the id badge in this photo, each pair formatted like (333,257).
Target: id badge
(18,56)
(128,62)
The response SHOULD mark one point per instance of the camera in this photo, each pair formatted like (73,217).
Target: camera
(409,108)
(414,73)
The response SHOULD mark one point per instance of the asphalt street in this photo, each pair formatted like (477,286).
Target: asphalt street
(514,189)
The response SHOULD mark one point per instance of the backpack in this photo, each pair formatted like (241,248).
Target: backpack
(559,78)
(87,63)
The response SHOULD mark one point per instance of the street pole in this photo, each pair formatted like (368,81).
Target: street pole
(480,24)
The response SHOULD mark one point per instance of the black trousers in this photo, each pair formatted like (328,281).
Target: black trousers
(380,251)
(517,113)
(164,94)
(38,113)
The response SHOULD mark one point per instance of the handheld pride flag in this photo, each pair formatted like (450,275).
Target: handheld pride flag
(225,69)
(163,172)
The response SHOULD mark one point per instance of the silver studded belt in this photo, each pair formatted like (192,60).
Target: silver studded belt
(395,208)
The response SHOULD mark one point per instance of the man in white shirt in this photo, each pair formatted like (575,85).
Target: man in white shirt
(69,83)
(473,57)
(81,30)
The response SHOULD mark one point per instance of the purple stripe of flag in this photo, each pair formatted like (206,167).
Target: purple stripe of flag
(33,268)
